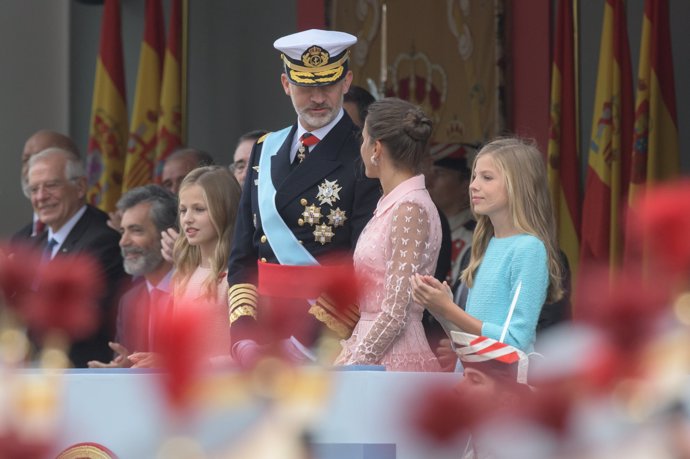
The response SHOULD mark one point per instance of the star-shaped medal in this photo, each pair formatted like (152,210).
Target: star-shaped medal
(337,217)
(328,192)
(312,214)
(323,234)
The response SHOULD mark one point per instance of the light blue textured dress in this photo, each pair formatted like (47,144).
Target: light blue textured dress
(507,263)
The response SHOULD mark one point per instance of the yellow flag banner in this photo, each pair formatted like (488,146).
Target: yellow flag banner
(108,127)
(443,56)
(563,164)
(655,154)
(141,149)
(610,146)
(170,121)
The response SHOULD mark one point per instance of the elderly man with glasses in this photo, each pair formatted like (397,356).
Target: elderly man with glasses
(56,185)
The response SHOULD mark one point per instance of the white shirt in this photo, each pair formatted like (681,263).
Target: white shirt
(64,231)
(320,133)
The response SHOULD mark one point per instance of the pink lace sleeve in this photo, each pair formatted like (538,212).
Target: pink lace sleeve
(409,238)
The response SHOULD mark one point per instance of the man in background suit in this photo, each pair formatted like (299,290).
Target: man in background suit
(56,184)
(146,211)
(37,142)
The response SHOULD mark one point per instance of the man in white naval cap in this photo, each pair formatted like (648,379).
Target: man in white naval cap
(305,197)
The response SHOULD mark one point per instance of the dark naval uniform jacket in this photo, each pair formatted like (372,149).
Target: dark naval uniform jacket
(325,201)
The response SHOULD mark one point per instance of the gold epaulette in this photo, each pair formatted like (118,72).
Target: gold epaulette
(262,138)
(341,321)
(242,299)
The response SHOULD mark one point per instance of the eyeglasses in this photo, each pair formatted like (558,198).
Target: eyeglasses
(239,166)
(50,187)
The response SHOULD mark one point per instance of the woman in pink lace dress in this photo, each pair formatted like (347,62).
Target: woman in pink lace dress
(402,238)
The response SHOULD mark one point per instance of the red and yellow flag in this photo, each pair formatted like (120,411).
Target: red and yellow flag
(108,128)
(563,164)
(170,121)
(655,154)
(141,150)
(610,144)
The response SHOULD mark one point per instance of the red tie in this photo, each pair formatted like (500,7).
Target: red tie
(39,228)
(306,140)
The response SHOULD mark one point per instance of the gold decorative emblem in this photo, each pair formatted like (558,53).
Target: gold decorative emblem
(337,217)
(311,214)
(323,234)
(315,57)
(328,192)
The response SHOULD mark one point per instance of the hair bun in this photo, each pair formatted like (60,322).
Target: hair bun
(417,125)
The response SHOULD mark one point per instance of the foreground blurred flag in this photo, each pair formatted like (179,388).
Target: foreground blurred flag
(655,146)
(563,158)
(610,145)
(141,149)
(171,115)
(108,128)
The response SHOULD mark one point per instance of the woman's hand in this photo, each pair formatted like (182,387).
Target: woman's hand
(432,294)
(145,360)
(168,238)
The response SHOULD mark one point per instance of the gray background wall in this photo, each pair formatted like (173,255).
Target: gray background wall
(48,52)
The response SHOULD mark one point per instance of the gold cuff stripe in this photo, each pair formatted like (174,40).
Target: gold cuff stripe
(240,294)
(242,311)
(340,329)
(348,316)
(325,68)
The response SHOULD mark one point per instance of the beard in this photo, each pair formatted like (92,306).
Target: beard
(317,122)
(147,261)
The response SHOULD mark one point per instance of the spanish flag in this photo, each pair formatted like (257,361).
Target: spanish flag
(563,163)
(655,154)
(108,128)
(141,150)
(170,121)
(610,145)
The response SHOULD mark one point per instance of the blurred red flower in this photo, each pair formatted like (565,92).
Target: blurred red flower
(625,305)
(18,271)
(661,221)
(181,346)
(64,296)
(442,413)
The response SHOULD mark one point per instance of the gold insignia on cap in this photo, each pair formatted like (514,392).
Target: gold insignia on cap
(337,217)
(315,56)
(323,234)
(328,192)
(312,214)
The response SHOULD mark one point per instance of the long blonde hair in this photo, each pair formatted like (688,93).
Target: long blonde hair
(529,204)
(221,193)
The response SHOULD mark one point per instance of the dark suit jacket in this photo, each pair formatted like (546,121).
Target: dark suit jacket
(335,158)
(93,236)
(24,234)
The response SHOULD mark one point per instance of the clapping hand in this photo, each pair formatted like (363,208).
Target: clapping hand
(121,361)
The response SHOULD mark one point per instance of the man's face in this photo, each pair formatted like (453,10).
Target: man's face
(448,189)
(140,241)
(317,106)
(36,144)
(174,171)
(55,199)
(241,159)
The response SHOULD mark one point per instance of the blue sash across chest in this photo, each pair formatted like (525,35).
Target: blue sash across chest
(285,245)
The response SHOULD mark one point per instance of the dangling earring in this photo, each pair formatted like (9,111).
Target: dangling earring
(374,160)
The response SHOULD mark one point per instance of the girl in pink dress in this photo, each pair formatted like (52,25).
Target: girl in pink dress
(402,238)
(208,201)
